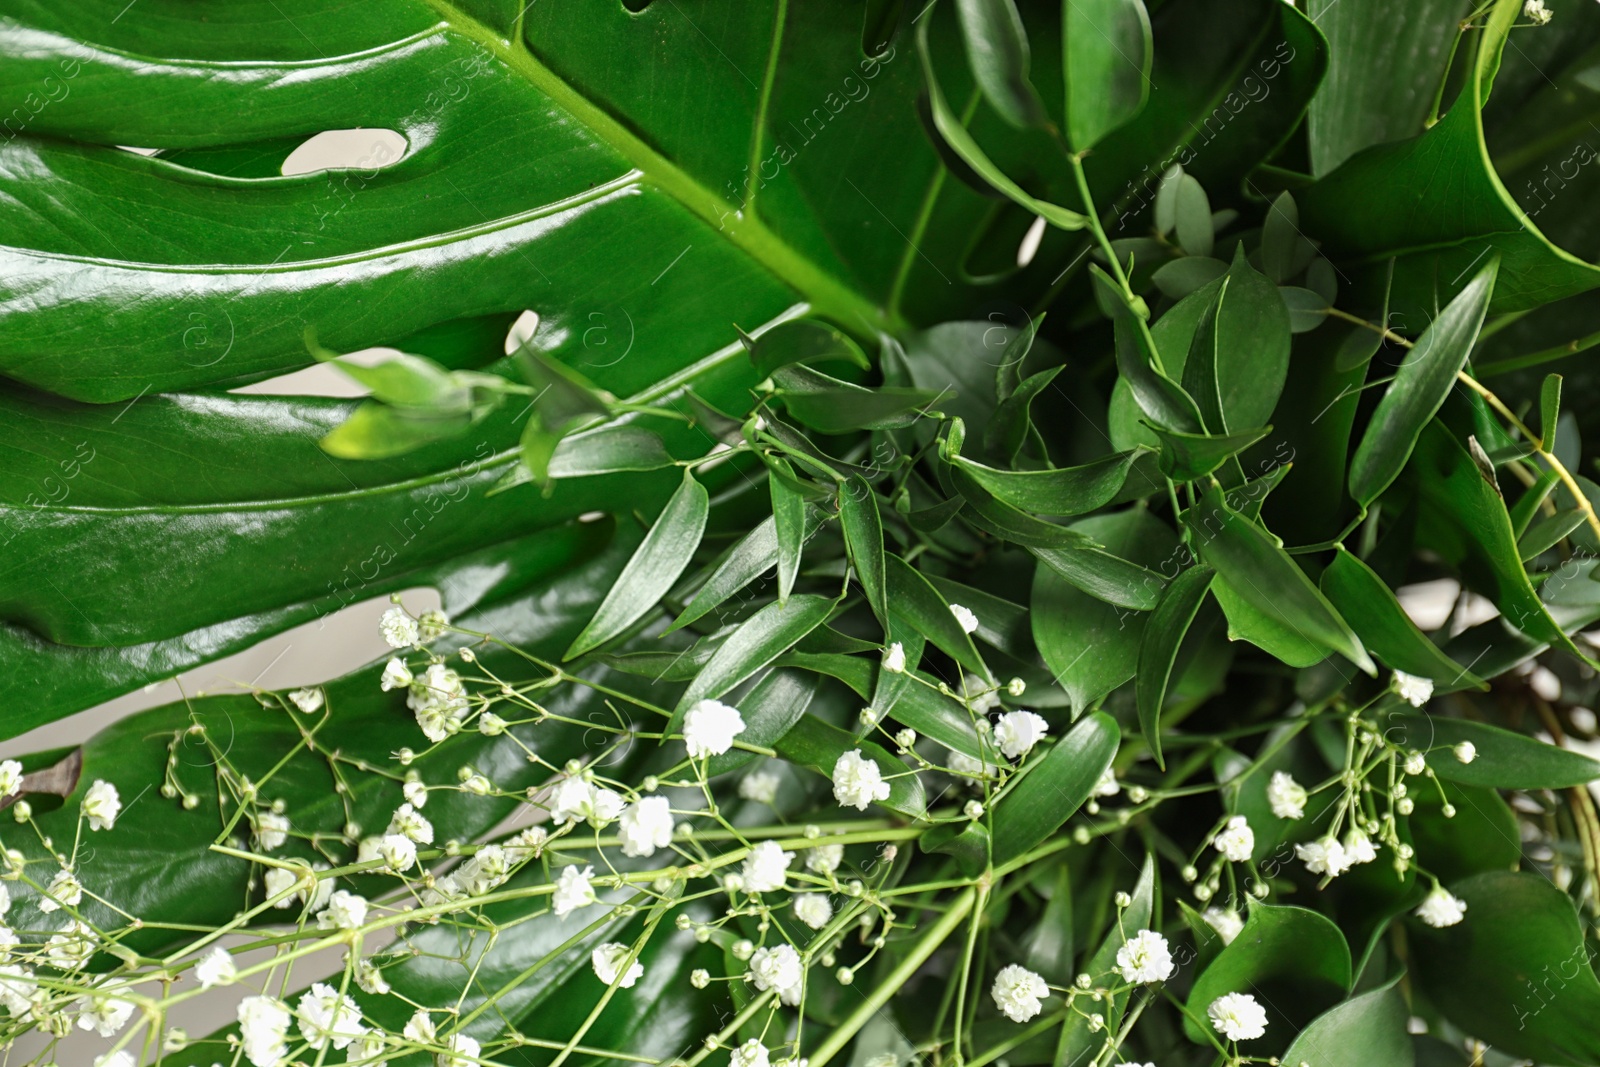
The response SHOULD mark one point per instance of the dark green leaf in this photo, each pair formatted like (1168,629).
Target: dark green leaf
(1008,430)
(1187,457)
(1193,223)
(1505,759)
(609,450)
(1284,249)
(1139,364)
(1549,411)
(1247,623)
(1053,786)
(1106,53)
(1158,648)
(1238,358)
(1066,491)
(812,743)
(919,604)
(789,523)
(1183,276)
(1050,949)
(1365,1030)
(863,538)
(1545,532)
(802,341)
(829,405)
(997,49)
(758,641)
(1307,309)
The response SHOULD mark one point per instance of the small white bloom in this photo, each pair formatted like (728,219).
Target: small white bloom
(439,699)
(487,870)
(529,844)
(573,891)
(813,909)
(106,1016)
(397,851)
(398,628)
(1225,922)
(1324,856)
(10,778)
(766,867)
(309,701)
(964,618)
(396,675)
(369,979)
(575,800)
(1412,689)
(1018,731)
(894,658)
(1440,908)
(607,961)
(419,1028)
(1237,841)
(1237,1017)
(215,968)
(750,1054)
(432,625)
(477,784)
(1416,763)
(1286,796)
(280,880)
(1358,847)
(64,891)
(416,794)
(1466,751)
(824,859)
(780,969)
(1537,13)
(328,1018)
(345,911)
(1107,785)
(979,695)
(408,822)
(760,786)
(263,1028)
(1145,958)
(1016,687)
(272,830)
(101,805)
(464,1052)
(857,781)
(1017,992)
(645,826)
(367,1050)
(72,946)
(710,727)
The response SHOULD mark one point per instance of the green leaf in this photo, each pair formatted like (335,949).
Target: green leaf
(378,431)
(863,538)
(609,450)
(813,743)
(1285,252)
(1193,217)
(1549,411)
(770,708)
(1187,457)
(408,381)
(1515,971)
(1544,534)
(1267,578)
(967,841)
(997,49)
(1184,276)
(801,341)
(1505,759)
(1307,309)
(1050,949)
(1364,1030)
(1104,576)
(1294,961)
(919,604)
(1384,627)
(956,136)
(789,523)
(759,640)
(1078,1044)
(751,556)
(660,558)
(829,405)
(1106,53)
(1139,364)
(1091,646)
(1247,623)
(1008,430)
(1065,491)
(1158,648)
(1238,358)
(1052,787)
(1419,389)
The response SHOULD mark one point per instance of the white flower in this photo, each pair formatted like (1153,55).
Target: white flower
(573,891)
(1440,909)
(575,800)
(813,909)
(857,781)
(964,618)
(327,1018)
(529,844)
(1412,689)
(367,1050)
(1358,847)
(72,946)
(263,1027)
(488,869)
(416,794)
(1237,1017)
(780,969)
(215,968)
(1416,763)
(8,941)
(10,778)
(1016,687)
(272,830)
(419,1028)
(645,826)
(5,899)
(1225,922)
(119,1058)
(464,1052)
(760,786)
(1018,731)
(750,1054)
(369,979)
(766,867)
(1017,992)
(607,961)
(345,911)
(1286,796)
(64,891)
(397,851)
(894,658)
(104,1015)
(1107,785)
(439,699)
(710,727)
(398,628)
(1324,856)
(1537,13)
(980,696)
(1466,751)
(824,859)
(101,805)
(408,822)
(432,625)
(16,988)
(396,675)
(307,700)
(280,879)
(1237,841)
(1145,958)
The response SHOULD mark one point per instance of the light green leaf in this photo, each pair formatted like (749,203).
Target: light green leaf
(1106,53)
(789,523)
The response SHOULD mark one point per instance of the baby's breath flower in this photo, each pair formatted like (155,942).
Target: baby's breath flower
(1325,856)
(370,979)
(272,830)
(575,800)
(1536,12)
(1466,751)
(894,658)
(263,1030)
(477,784)
(813,909)
(419,1029)
(1018,731)
(101,805)
(1018,992)
(1225,922)
(979,694)
(760,786)
(710,728)
(1236,841)
(857,781)
(750,1054)
(1358,847)
(215,968)
(964,618)
(1107,785)
(1016,687)
(1285,796)
(398,628)
(491,725)
(438,697)
(1416,763)
(1413,690)
(408,822)
(396,675)
(1237,1017)
(105,1016)
(573,891)
(766,867)
(780,969)
(645,826)
(973,809)
(1145,958)
(328,1017)
(345,911)
(309,701)
(699,977)
(824,859)
(463,1051)
(415,792)
(607,961)
(1440,908)
(10,778)
(64,891)
(398,852)
(431,625)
